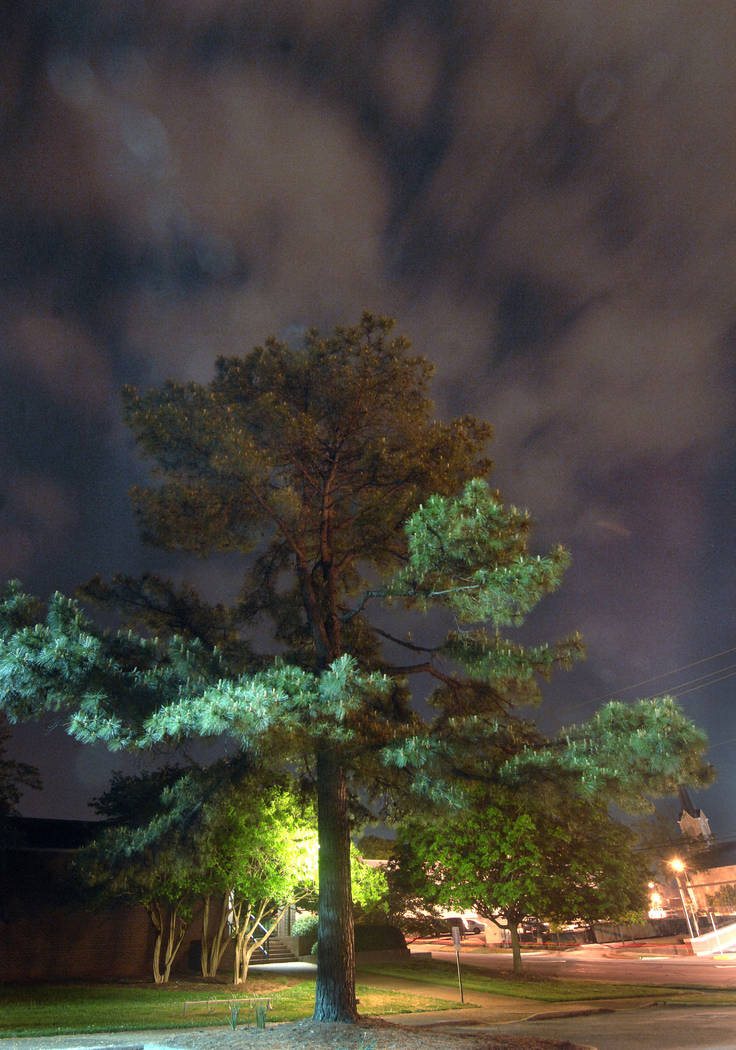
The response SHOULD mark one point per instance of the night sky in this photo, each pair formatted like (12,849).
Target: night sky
(542,194)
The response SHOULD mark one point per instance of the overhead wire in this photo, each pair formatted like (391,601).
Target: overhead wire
(697,683)
(681,689)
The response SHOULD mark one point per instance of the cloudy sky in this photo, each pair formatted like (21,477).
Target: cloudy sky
(542,194)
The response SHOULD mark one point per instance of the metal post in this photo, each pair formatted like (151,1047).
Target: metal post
(456,942)
(684,906)
(693,903)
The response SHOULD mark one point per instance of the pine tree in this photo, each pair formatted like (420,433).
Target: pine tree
(315,458)
(324,468)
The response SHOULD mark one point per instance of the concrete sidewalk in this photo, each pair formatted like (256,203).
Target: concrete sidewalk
(483,1008)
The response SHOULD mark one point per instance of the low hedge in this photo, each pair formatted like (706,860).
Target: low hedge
(375,937)
(378,936)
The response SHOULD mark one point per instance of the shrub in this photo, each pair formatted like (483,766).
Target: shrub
(374,937)
(305,925)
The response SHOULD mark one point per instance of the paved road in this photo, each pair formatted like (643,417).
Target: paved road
(602,963)
(656,1028)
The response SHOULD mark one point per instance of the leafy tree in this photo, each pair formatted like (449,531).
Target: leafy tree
(259,858)
(120,869)
(325,469)
(185,840)
(369,889)
(724,899)
(144,856)
(520,855)
(14,777)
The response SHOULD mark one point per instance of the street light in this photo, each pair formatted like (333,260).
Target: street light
(678,867)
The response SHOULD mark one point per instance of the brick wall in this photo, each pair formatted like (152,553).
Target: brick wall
(58,944)
(49,933)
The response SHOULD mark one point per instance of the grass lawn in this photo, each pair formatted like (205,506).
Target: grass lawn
(545,989)
(64,1009)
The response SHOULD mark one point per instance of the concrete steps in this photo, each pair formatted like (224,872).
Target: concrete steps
(278,952)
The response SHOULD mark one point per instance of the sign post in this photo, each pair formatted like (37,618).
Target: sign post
(456,942)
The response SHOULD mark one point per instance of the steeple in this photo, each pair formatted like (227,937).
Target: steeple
(693,822)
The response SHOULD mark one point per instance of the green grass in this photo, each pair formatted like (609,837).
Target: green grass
(543,989)
(65,1009)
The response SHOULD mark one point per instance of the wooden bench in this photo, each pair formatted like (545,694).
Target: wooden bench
(251,1002)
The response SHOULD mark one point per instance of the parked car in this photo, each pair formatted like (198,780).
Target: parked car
(466,926)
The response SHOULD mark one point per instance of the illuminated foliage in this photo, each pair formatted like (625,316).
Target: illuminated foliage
(188,841)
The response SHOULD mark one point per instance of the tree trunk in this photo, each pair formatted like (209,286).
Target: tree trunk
(239,964)
(154,914)
(515,946)
(215,947)
(335,991)
(170,929)
(157,975)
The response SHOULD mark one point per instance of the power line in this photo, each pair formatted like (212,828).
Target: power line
(664,674)
(714,680)
(722,743)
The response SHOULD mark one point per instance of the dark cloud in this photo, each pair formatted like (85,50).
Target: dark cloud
(542,194)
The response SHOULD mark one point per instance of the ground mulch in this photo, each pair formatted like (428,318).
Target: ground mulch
(368,1034)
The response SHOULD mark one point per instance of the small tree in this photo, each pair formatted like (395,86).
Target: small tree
(236,849)
(521,854)
(724,899)
(14,778)
(121,869)
(259,857)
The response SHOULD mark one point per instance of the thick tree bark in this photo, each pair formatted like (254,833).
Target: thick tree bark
(335,991)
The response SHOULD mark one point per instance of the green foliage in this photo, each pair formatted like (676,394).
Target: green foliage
(369,888)
(522,854)
(378,936)
(305,925)
(161,608)
(628,752)
(187,836)
(471,551)
(14,778)
(724,899)
(233,1015)
(122,865)
(368,891)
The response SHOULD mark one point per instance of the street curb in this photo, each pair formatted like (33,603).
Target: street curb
(553,1015)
